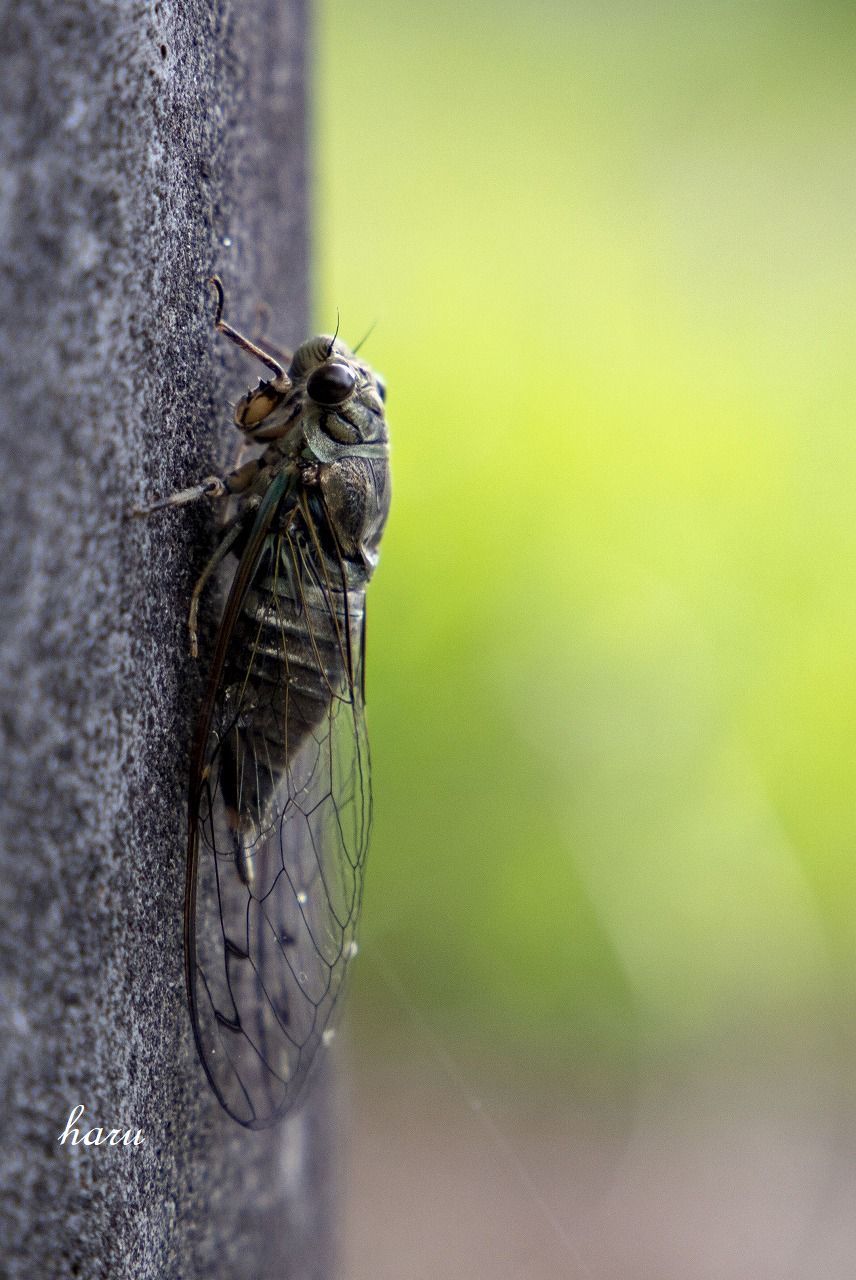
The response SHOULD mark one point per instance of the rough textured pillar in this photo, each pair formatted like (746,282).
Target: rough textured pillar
(144,146)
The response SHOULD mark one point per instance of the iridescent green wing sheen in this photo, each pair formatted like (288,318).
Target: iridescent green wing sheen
(280,816)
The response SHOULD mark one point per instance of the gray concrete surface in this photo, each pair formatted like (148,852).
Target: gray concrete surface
(144,145)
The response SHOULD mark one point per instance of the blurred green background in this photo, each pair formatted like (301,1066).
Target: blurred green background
(612,686)
(612,689)
(609,250)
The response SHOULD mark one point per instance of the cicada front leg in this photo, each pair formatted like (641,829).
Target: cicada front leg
(263,317)
(266,413)
(280,377)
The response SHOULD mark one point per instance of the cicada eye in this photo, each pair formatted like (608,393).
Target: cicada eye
(331,383)
(381,387)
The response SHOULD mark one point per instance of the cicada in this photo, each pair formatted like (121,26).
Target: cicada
(280,806)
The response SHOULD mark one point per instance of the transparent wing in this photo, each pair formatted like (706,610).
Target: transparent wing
(280,835)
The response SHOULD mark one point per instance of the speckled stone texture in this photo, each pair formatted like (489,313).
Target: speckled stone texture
(144,146)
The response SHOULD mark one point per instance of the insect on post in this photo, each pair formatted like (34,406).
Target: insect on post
(280,801)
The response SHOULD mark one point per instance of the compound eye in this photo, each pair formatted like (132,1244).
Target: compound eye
(381,387)
(332,383)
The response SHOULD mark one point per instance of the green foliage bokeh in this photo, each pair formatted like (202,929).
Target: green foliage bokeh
(611,640)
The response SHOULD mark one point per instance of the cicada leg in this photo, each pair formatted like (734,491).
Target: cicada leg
(263,315)
(211,487)
(227,486)
(231,533)
(281,380)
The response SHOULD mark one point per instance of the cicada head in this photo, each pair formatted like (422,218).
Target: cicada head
(341,393)
(343,428)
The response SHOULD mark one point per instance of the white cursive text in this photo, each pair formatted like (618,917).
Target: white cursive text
(98,1137)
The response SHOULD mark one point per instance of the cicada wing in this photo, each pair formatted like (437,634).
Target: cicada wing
(282,830)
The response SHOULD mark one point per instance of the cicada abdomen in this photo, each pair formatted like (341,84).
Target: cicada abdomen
(280,794)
